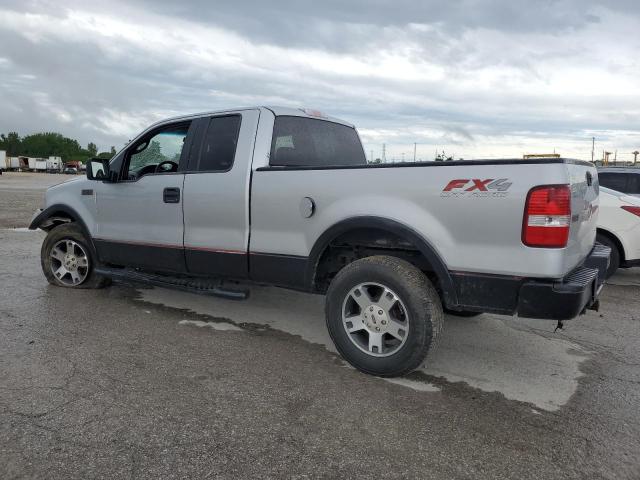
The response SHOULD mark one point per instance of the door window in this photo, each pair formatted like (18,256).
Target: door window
(219,144)
(159,153)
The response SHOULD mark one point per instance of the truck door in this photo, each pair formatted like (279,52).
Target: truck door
(140,219)
(216,195)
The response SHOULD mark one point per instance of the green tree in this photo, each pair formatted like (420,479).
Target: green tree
(50,143)
(92,149)
(11,143)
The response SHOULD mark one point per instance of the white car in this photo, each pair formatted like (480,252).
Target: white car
(619,228)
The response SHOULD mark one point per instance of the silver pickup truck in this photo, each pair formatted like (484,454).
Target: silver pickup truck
(213,202)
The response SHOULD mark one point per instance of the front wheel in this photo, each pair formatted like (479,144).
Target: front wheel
(383,315)
(67,259)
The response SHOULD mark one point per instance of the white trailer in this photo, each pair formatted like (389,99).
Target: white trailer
(3,160)
(41,165)
(32,163)
(54,164)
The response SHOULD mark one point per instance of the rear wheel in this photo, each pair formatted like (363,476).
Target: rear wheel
(383,315)
(67,259)
(614,259)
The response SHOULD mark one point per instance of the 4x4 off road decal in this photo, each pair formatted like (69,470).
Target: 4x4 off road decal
(476,187)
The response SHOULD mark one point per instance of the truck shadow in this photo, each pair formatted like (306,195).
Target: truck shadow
(522,359)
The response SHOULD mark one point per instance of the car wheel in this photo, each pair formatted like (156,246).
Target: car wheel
(614,258)
(383,315)
(67,259)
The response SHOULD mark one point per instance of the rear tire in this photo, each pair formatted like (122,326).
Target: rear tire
(383,315)
(68,260)
(614,259)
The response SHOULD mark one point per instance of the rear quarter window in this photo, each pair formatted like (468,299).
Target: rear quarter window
(219,144)
(310,142)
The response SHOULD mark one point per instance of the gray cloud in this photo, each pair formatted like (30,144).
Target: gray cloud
(506,74)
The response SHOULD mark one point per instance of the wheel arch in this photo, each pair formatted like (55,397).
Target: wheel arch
(59,214)
(393,228)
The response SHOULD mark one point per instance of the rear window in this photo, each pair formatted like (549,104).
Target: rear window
(309,142)
(614,181)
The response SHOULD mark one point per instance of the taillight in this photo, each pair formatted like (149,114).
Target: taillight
(634,210)
(547,216)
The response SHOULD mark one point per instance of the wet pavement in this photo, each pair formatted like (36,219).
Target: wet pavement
(130,382)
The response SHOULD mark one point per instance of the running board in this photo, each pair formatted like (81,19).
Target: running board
(186,284)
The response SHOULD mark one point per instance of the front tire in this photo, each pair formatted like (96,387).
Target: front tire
(383,315)
(68,260)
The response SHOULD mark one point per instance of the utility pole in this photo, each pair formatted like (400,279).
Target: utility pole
(635,157)
(414,152)
(593,147)
(384,153)
(615,157)
(371,157)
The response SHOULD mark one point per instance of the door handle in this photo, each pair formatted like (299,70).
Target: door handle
(171,195)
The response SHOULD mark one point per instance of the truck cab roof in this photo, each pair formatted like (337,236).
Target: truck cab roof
(275,110)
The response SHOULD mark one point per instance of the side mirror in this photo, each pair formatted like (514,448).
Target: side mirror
(98,169)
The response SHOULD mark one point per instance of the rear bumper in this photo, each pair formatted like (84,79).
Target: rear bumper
(561,299)
(569,297)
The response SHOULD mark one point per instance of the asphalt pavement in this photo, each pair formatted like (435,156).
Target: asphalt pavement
(131,382)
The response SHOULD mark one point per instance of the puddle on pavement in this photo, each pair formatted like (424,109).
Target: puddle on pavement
(222,326)
(491,353)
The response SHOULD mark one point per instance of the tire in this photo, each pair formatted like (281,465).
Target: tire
(462,313)
(614,258)
(67,247)
(393,296)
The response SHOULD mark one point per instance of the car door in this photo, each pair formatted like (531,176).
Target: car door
(216,195)
(140,218)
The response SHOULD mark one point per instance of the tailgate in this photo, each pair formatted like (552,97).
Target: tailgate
(583,180)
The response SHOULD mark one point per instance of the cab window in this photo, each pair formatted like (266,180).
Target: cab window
(159,153)
(310,142)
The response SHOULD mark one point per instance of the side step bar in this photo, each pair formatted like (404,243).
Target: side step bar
(186,284)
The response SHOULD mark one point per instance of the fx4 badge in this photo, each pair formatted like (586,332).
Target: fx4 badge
(475,187)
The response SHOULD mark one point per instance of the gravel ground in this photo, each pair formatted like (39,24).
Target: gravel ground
(127,382)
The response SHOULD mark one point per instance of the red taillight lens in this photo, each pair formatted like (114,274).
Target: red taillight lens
(547,216)
(634,210)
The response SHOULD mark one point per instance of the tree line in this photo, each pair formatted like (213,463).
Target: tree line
(45,144)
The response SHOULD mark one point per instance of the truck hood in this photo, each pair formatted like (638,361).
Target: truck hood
(66,182)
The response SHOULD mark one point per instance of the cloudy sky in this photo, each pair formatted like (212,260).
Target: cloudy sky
(475,78)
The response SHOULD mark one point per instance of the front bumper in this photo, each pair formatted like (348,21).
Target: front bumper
(569,297)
